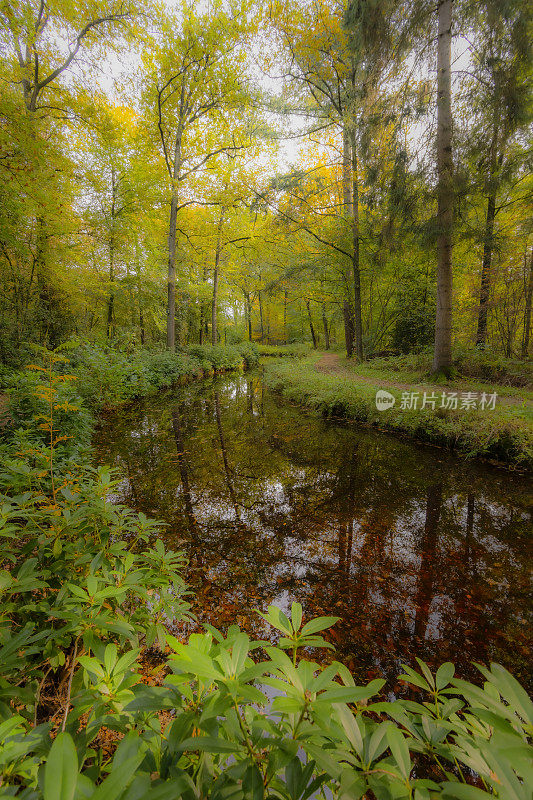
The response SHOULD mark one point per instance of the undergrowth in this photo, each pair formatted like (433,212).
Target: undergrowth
(283,350)
(468,362)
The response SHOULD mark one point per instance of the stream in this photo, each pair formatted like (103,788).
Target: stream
(419,553)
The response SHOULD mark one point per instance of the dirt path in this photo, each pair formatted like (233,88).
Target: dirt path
(332,364)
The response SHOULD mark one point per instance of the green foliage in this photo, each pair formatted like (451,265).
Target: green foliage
(46,427)
(414,328)
(217,357)
(493,367)
(78,571)
(320,736)
(250,352)
(111,375)
(468,362)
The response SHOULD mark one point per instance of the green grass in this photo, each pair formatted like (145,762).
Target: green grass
(504,434)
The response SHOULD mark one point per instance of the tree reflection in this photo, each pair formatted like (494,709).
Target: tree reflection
(184,470)
(278,505)
(224,451)
(428,547)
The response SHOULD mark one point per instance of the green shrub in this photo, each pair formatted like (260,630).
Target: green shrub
(111,376)
(469,362)
(488,366)
(320,736)
(414,328)
(250,352)
(284,350)
(217,357)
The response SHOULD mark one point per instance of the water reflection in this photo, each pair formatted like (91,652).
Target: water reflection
(418,553)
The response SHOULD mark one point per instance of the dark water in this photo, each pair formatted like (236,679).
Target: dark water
(417,552)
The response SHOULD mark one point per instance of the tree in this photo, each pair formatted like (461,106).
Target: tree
(194,85)
(442,357)
(32,37)
(502,62)
(42,42)
(527,311)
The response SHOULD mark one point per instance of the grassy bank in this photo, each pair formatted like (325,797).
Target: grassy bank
(504,434)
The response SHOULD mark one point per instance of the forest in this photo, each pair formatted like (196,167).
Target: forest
(266,399)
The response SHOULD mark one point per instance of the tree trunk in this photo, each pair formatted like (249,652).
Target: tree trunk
(488,239)
(285,296)
(313,335)
(172,226)
(248,314)
(527,312)
(347,187)
(325,325)
(484,293)
(214,332)
(111,298)
(348,327)
(358,321)
(260,295)
(442,358)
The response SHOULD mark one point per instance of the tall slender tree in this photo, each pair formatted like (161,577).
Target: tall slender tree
(442,357)
(194,86)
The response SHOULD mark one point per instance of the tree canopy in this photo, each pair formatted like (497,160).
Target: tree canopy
(344,173)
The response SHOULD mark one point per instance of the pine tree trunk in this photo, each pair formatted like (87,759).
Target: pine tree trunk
(484,293)
(488,240)
(527,312)
(442,358)
(348,327)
